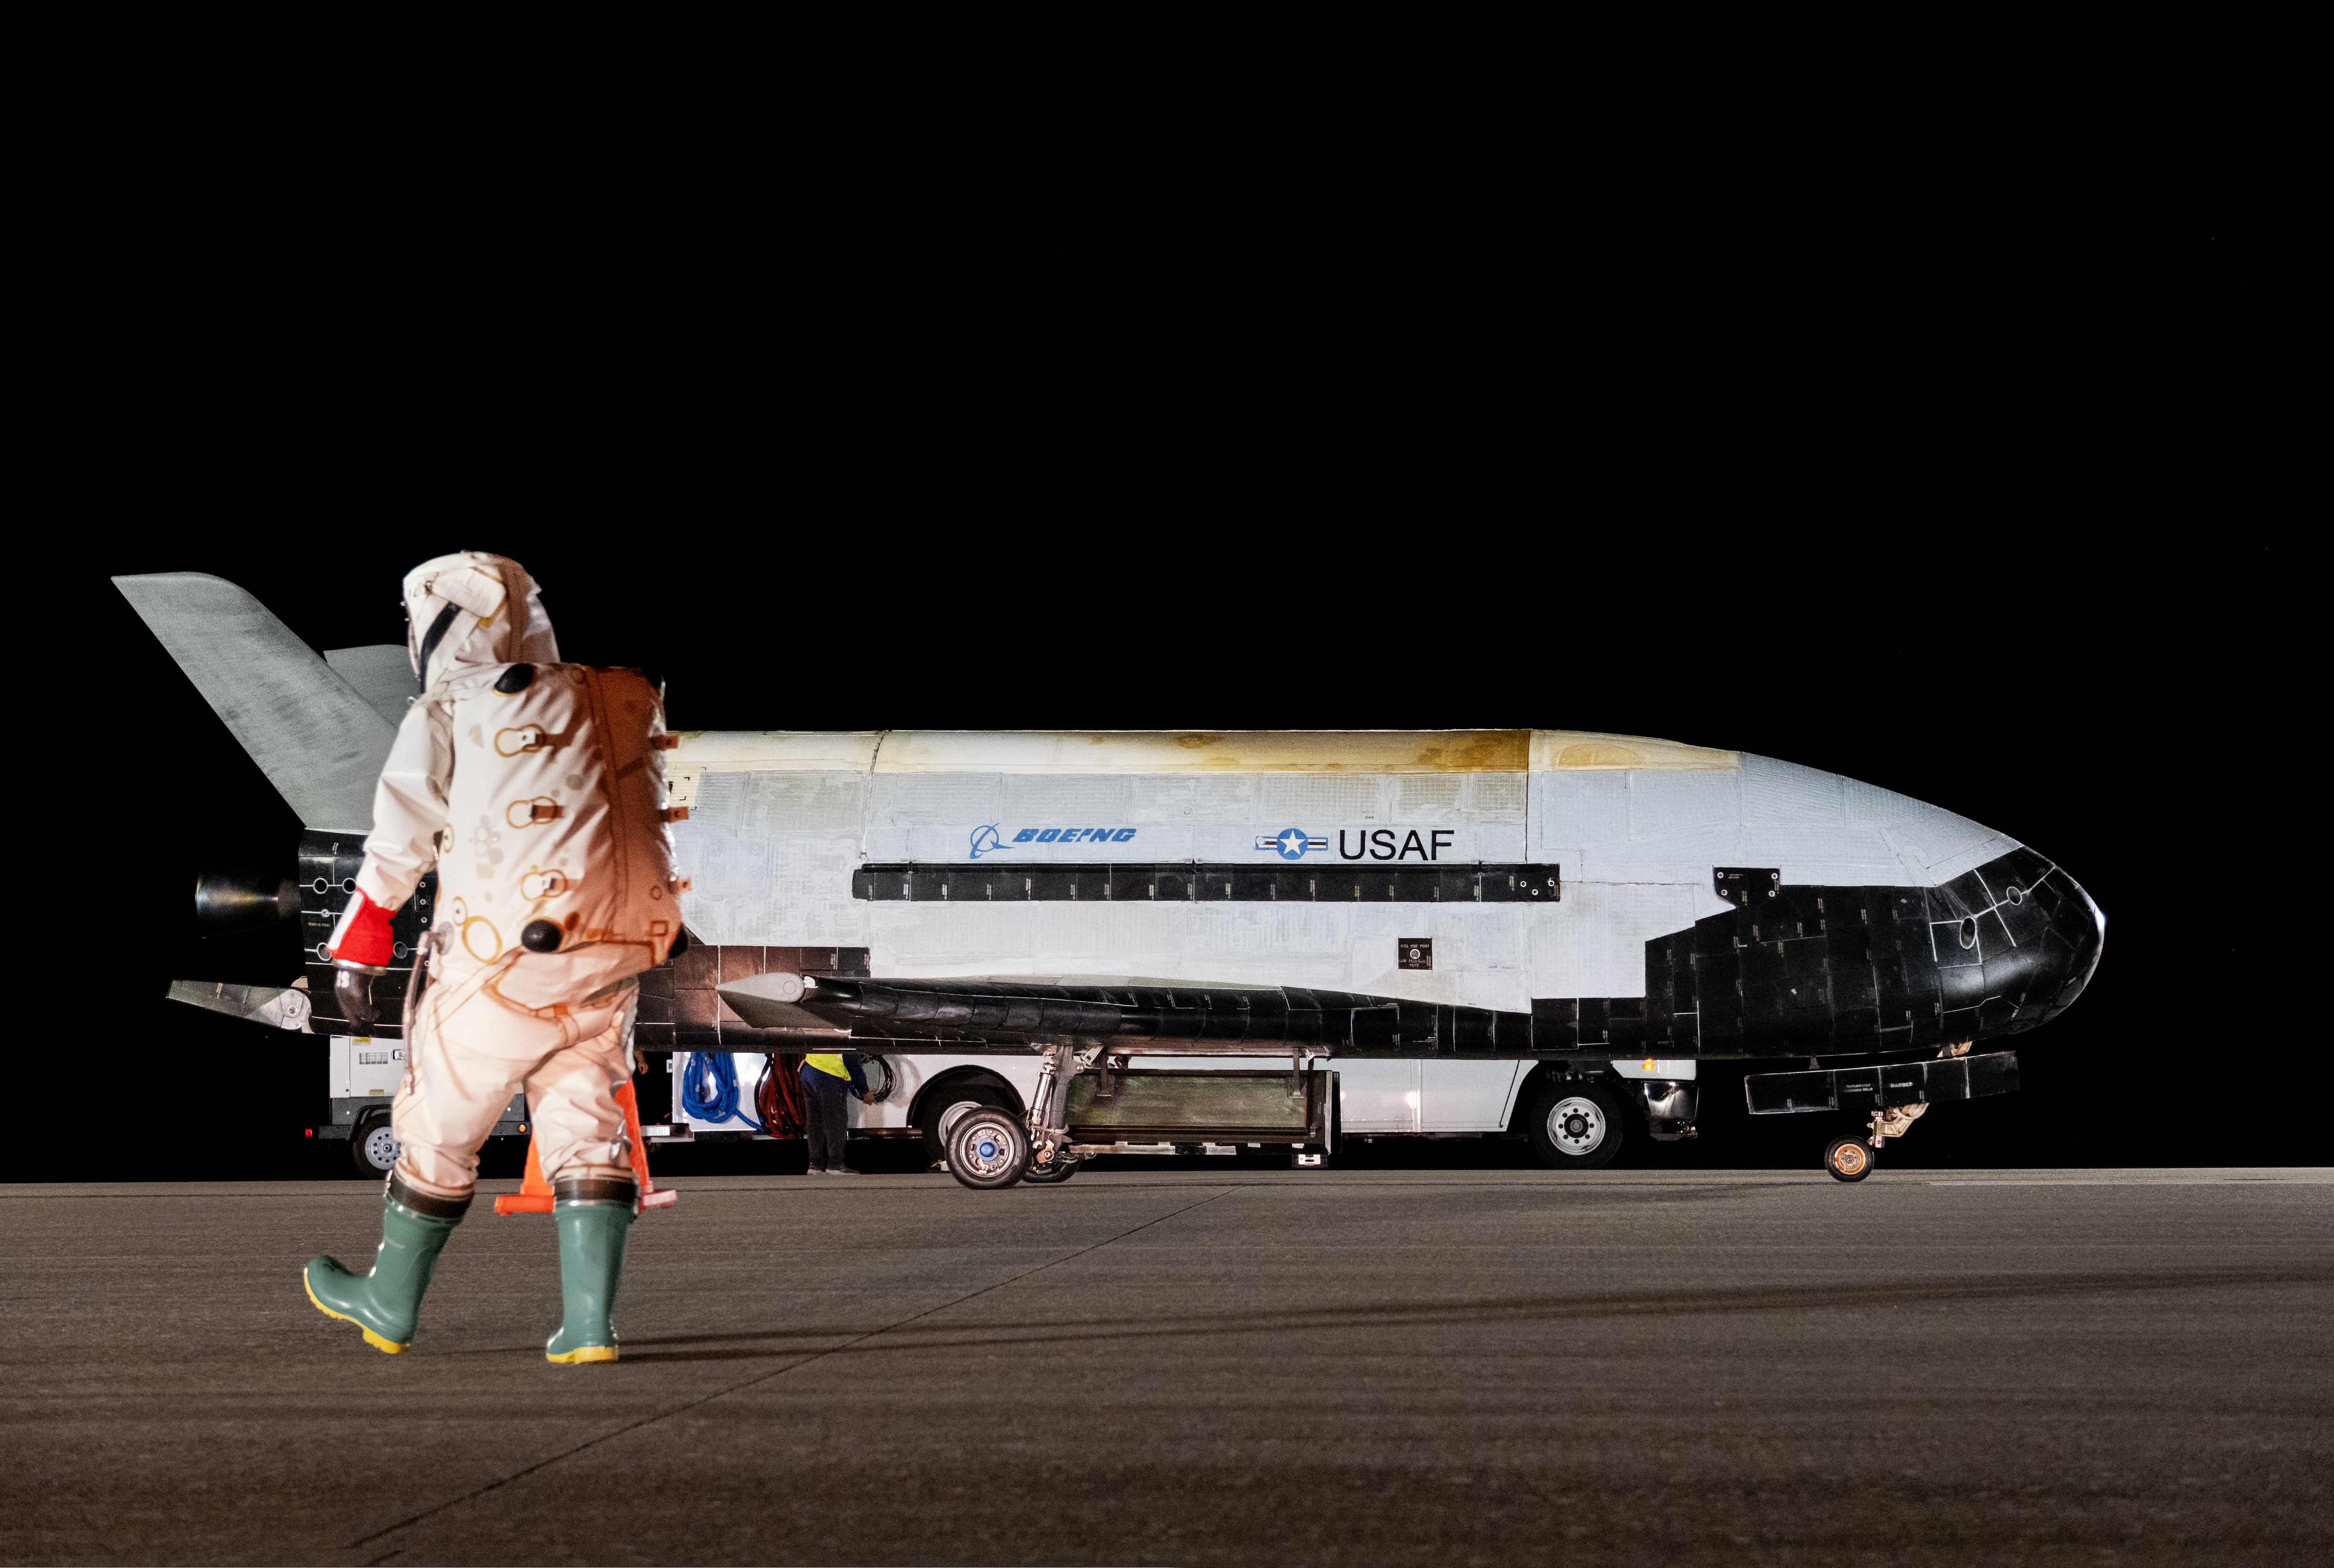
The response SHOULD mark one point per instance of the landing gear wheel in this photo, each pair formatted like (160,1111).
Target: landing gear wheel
(1848,1159)
(1061,1167)
(1575,1126)
(944,1109)
(987,1148)
(373,1149)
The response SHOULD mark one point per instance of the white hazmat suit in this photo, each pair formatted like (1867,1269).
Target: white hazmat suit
(536,789)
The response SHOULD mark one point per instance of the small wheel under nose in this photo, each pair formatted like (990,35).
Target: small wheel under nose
(1848,1159)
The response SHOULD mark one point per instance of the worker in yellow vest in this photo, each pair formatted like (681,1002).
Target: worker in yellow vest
(826,1077)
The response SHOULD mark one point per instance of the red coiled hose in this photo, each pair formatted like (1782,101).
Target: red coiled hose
(779,1096)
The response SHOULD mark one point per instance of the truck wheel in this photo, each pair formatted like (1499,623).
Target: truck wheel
(987,1148)
(1847,1159)
(1575,1126)
(373,1147)
(943,1110)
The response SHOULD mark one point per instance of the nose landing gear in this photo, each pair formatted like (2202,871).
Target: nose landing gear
(1852,1159)
(1847,1159)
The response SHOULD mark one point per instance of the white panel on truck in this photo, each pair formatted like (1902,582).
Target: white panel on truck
(1379,1096)
(1465,1096)
(361,1066)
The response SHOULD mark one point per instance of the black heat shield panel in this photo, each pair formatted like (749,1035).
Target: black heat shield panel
(1862,1090)
(1207,883)
(1784,970)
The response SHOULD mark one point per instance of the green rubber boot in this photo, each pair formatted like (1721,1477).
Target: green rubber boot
(383,1303)
(591,1263)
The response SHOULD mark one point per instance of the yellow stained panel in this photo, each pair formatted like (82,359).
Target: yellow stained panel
(1168,751)
(1580,750)
(1157,752)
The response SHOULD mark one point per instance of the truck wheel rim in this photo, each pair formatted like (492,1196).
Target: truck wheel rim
(382,1149)
(1575,1124)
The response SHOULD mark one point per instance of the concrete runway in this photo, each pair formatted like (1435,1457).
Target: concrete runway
(1190,1365)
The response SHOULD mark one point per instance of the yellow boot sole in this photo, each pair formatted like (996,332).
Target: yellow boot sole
(579,1356)
(386,1347)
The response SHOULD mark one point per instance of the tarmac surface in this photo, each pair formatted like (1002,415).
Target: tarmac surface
(1338,1366)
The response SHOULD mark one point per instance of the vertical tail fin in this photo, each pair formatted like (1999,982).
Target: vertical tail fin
(318,740)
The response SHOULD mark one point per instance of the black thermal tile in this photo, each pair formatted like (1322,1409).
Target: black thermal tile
(1415,885)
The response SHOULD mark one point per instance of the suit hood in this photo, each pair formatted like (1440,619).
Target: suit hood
(470,611)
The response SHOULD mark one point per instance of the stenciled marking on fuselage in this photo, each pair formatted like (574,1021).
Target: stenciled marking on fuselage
(1290,844)
(1378,843)
(1361,843)
(990,839)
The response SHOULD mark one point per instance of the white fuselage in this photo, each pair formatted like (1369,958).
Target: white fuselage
(779,822)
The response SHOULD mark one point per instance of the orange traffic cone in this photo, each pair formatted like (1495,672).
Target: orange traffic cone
(534,1194)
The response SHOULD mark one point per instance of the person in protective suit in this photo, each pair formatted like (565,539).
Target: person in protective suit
(536,790)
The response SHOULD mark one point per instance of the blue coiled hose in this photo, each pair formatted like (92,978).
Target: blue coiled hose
(709,1089)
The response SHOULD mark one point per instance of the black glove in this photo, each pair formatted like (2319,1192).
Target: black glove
(352,990)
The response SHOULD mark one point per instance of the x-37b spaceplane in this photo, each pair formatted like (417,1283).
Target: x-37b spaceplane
(1061,944)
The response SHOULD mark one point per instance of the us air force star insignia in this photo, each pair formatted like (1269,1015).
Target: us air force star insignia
(1290,845)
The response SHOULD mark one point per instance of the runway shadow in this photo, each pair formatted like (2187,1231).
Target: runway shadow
(1558,1309)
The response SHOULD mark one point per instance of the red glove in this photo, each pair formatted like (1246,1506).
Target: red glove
(363,935)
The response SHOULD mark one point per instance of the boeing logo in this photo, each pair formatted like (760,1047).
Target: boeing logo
(991,838)
(1292,844)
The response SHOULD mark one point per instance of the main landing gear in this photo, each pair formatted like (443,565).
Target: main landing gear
(1061,1167)
(988,1149)
(990,1146)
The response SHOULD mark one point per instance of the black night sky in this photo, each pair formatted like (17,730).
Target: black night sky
(1985,508)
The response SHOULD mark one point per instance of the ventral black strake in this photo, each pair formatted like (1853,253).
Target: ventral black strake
(517,677)
(539,936)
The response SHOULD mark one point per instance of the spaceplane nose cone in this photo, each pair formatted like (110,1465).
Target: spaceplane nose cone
(2041,940)
(2077,934)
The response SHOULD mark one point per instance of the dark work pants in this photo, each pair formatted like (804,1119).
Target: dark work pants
(823,1095)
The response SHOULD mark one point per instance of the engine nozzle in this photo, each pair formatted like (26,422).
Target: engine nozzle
(242,900)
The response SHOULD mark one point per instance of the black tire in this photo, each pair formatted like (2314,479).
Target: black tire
(1848,1159)
(371,1149)
(1573,1125)
(987,1149)
(940,1102)
(1064,1167)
